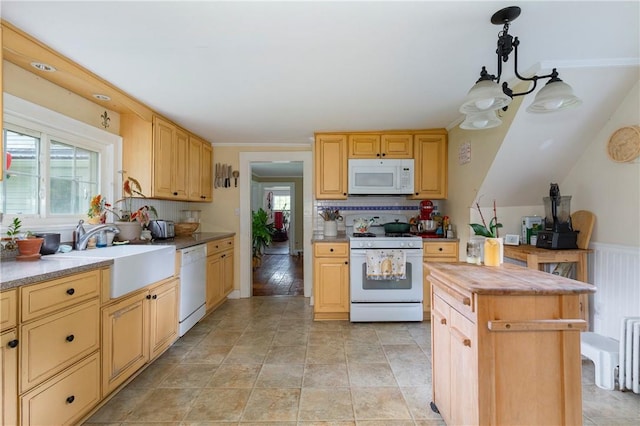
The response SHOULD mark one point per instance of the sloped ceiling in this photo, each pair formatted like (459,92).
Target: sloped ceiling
(275,72)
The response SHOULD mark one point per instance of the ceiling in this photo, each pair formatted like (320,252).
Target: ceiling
(275,72)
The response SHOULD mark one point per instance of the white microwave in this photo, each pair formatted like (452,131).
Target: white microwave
(380,177)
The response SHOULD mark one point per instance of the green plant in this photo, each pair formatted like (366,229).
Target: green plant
(14,229)
(261,232)
(490,231)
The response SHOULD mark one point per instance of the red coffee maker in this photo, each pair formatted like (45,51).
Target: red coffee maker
(426,208)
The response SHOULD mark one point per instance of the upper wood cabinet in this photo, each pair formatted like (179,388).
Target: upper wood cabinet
(199,171)
(430,165)
(330,157)
(380,146)
(170,145)
(159,155)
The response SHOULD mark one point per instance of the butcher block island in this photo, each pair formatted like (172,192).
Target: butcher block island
(506,345)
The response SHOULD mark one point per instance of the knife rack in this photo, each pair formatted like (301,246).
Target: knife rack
(223,174)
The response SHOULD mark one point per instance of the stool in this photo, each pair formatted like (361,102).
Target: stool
(603,351)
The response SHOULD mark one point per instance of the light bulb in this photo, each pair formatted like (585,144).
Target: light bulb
(483,104)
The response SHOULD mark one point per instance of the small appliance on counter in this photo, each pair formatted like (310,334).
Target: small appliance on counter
(558,233)
(162,229)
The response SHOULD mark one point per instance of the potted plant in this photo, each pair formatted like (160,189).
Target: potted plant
(128,221)
(28,245)
(493,250)
(261,234)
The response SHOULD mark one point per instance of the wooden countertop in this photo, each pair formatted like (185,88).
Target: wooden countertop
(506,279)
(522,251)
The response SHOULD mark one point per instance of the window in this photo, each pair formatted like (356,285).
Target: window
(281,202)
(53,164)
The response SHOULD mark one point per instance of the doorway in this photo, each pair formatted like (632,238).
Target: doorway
(247,162)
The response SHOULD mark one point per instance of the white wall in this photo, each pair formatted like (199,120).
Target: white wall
(610,190)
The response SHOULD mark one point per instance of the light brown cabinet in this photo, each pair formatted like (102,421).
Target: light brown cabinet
(435,251)
(199,170)
(506,345)
(385,146)
(159,155)
(59,357)
(9,377)
(430,154)
(331,281)
(137,328)
(220,280)
(170,146)
(330,172)
(8,309)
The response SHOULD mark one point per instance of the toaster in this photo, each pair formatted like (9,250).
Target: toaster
(162,229)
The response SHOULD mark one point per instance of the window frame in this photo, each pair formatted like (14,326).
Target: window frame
(30,117)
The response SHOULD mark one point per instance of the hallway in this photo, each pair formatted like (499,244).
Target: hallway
(279,274)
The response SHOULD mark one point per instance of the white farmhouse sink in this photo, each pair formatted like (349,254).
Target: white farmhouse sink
(134,266)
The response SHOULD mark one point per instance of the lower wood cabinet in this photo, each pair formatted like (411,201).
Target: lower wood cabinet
(136,329)
(331,281)
(435,251)
(66,398)
(9,377)
(220,280)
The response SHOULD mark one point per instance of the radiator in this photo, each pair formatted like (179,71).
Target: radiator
(629,364)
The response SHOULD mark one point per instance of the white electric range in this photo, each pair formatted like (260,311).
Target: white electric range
(393,299)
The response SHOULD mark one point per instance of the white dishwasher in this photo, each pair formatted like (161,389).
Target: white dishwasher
(193,286)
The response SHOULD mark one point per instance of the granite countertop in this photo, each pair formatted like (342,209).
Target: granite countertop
(15,273)
(506,279)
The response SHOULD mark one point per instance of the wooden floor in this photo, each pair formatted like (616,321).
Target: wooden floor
(280,274)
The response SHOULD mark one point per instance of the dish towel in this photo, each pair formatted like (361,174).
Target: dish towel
(386,264)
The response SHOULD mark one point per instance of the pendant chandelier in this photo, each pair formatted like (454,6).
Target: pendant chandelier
(486,96)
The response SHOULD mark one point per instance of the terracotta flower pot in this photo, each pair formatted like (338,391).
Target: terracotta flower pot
(29,248)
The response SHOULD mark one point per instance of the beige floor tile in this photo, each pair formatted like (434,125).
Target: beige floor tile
(412,374)
(235,376)
(395,337)
(272,405)
(325,375)
(418,400)
(246,355)
(256,338)
(371,375)
(286,355)
(280,376)
(162,405)
(325,354)
(360,336)
(322,404)
(120,406)
(325,337)
(189,376)
(365,354)
(379,404)
(405,353)
(219,337)
(218,405)
(291,337)
(152,375)
(207,354)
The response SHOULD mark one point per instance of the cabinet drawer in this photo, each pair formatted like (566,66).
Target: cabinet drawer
(51,344)
(459,299)
(331,250)
(50,296)
(66,398)
(440,250)
(214,247)
(8,309)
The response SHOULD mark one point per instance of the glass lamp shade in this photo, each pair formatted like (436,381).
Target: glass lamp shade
(485,95)
(554,96)
(480,121)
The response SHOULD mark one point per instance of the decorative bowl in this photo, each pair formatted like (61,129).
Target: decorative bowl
(185,229)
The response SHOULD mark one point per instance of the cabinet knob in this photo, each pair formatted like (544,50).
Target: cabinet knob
(13,343)
(70,338)
(155,296)
(443,321)
(417,193)
(175,193)
(331,250)
(71,291)
(70,399)
(148,296)
(378,155)
(203,197)
(346,262)
(384,155)
(344,193)
(439,248)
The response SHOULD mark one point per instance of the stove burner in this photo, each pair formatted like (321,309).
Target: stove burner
(398,234)
(364,234)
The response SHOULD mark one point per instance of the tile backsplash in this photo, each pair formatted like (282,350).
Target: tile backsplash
(352,205)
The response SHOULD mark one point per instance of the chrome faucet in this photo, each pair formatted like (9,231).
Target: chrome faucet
(82,236)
